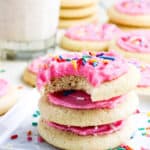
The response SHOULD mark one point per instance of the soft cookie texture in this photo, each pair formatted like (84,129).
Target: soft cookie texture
(131,13)
(135,44)
(93,37)
(67,116)
(70,141)
(8,98)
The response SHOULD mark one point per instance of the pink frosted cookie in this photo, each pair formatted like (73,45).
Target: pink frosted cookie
(102,75)
(94,37)
(135,13)
(8,96)
(30,73)
(135,44)
(143,86)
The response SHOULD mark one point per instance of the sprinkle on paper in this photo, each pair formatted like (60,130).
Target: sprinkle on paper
(29,138)
(29,133)
(34,124)
(13,137)
(40,139)
(74,64)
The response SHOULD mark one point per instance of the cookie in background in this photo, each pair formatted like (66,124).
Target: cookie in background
(89,37)
(135,44)
(130,14)
(30,73)
(74,12)
(8,96)
(143,87)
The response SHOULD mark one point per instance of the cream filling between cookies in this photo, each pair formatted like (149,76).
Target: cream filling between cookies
(81,100)
(89,130)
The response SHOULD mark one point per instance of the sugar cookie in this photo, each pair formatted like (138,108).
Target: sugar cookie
(93,37)
(131,13)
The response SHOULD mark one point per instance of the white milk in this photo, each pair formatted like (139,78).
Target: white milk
(27,24)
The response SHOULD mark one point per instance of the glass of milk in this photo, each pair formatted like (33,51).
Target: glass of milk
(27,27)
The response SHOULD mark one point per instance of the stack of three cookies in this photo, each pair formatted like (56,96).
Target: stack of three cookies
(88,100)
(74,12)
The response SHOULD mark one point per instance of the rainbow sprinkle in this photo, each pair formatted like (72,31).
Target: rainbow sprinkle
(40,139)
(90,58)
(29,138)
(122,147)
(13,137)
(74,64)
(107,57)
(68,92)
(34,124)
(29,133)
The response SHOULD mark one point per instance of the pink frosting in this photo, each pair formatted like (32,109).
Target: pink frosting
(96,68)
(145,76)
(93,32)
(137,41)
(3,87)
(36,64)
(134,7)
(81,100)
(145,73)
(90,130)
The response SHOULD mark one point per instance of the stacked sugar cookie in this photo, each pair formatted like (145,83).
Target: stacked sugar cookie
(131,14)
(8,96)
(93,37)
(75,11)
(87,100)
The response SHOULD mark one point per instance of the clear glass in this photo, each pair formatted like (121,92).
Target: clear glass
(27,27)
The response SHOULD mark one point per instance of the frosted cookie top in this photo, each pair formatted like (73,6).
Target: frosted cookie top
(95,67)
(137,41)
(93,32)
(144,71)
(145,76)
(36,64)
(134,7)
(3,87)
